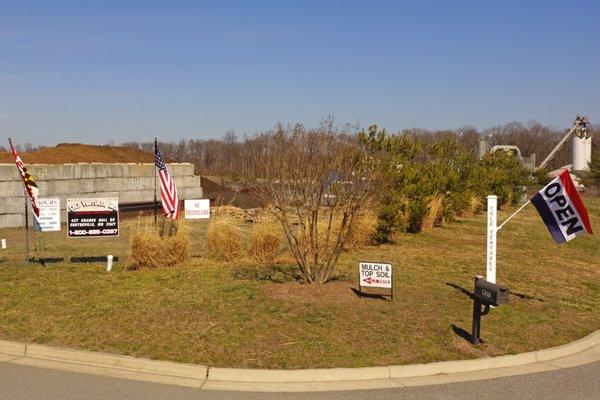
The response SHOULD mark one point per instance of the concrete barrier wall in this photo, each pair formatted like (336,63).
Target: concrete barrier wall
(131,183)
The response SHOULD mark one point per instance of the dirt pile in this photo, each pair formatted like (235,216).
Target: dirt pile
(80,153)
(224,196)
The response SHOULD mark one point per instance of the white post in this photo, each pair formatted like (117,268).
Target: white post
(3,244)
(109,262)
(492,204)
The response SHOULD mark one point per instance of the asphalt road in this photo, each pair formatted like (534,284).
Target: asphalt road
(31,383)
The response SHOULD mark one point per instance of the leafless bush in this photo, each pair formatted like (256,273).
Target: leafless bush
(316,182)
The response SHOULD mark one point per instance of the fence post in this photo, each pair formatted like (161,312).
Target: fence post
(26,230)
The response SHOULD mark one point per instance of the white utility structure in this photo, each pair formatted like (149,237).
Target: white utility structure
(582,146)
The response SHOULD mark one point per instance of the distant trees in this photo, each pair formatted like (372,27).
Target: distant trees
(592,177)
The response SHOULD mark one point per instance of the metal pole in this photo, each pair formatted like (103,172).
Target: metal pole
(26,229)
(492,205)
(476,327)
(515,213)
(154,206)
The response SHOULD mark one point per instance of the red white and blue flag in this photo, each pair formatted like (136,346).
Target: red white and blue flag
(562,210)
(168,191)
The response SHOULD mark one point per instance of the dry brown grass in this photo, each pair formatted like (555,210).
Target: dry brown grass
(475,207)
(202,313)
(265,241)
(361,233)
(434,216)
(151,250)
(224,239)
(228,212)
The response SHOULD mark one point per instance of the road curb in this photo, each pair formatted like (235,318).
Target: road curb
(300,380)
(98,359)
(12,348)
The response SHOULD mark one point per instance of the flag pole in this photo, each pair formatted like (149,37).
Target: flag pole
(26,212)
(25,197)
(154,206)
(513,214)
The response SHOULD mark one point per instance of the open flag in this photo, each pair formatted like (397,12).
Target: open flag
(562,210)
(31,187)
(168,191)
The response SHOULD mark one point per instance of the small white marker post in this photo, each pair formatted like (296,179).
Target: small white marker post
(109,262)
(492,207)
(3,244)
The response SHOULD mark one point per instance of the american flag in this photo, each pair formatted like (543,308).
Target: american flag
(168,191)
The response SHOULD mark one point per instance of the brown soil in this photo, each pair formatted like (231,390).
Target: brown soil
(81,153)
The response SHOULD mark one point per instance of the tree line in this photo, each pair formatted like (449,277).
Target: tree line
(230,155)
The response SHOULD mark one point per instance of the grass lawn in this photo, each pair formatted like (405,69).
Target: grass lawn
(205,313)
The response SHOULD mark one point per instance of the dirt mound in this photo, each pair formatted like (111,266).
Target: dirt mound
(81,153)
(224,196)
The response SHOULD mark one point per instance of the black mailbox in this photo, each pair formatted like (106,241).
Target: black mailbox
(489,293)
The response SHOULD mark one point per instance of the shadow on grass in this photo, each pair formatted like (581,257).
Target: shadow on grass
(377,296)
(464,291)
(461,332)
(460,289)
(45,260)
(525,296)
(276,273)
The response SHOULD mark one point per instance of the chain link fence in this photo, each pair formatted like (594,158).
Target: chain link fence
(24,243)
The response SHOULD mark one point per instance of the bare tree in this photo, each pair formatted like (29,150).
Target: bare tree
(317,183)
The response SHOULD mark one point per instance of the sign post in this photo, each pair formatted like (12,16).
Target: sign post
(492,207)
(372,274)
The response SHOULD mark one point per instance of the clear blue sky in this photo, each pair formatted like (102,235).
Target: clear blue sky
(107,70)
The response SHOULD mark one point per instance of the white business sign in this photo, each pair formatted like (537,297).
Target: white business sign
(49,219)
(197,209)
(375,274)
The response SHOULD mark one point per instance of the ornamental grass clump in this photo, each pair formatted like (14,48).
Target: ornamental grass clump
(361,233)
(265,241)
(223,240)
(159,247)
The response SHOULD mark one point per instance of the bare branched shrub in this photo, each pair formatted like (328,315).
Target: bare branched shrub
(316,182)
(150,249)
(223,239)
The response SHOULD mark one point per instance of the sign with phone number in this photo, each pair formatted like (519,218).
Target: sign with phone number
(93,217)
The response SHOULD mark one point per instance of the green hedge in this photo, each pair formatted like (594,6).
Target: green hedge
(415,171)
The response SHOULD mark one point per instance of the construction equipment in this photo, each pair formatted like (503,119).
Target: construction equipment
(582,145)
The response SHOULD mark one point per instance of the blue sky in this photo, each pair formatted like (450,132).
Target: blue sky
(98,71)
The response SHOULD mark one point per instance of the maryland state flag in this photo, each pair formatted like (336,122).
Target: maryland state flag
(30,186)
(562,210)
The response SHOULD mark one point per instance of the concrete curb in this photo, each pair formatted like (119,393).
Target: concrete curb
(579,352)
(12,348)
